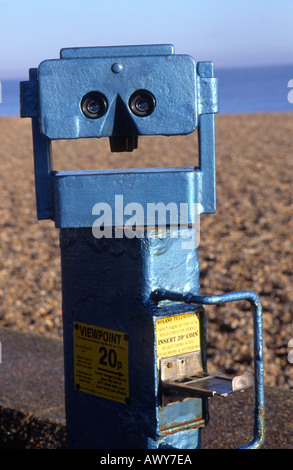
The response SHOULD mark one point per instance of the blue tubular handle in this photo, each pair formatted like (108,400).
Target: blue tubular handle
(253,299)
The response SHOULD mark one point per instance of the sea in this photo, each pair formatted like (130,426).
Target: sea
(241,90)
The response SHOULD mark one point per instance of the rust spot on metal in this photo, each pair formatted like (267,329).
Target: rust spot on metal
(199,422)
(262,430)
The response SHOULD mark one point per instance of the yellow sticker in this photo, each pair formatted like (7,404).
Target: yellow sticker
(178,334)
(101,362)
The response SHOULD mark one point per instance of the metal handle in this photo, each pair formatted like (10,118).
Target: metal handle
(253,299)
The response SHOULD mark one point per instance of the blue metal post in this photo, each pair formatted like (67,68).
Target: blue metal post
(117,329)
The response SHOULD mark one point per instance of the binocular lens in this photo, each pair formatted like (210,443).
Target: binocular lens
(142,103)
(94,105)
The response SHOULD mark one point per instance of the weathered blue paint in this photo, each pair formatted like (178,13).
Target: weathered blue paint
(120,283)
(117,51)
(140,186)
(171,78)
(113,280)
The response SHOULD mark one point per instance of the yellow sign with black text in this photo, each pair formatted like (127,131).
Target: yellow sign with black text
(177,334)
(101,362)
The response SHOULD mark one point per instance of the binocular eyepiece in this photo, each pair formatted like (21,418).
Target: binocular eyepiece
(142,103)
(94,104)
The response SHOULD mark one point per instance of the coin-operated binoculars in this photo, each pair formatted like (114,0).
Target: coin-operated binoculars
(134,322)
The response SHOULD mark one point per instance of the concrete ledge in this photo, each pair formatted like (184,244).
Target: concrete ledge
(32,412)
(232,420)
(32,375)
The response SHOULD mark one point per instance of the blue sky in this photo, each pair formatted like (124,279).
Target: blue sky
(228,32)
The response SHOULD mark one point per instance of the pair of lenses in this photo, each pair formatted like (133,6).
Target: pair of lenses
(141,103)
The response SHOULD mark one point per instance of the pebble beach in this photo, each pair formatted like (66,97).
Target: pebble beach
(246,245)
